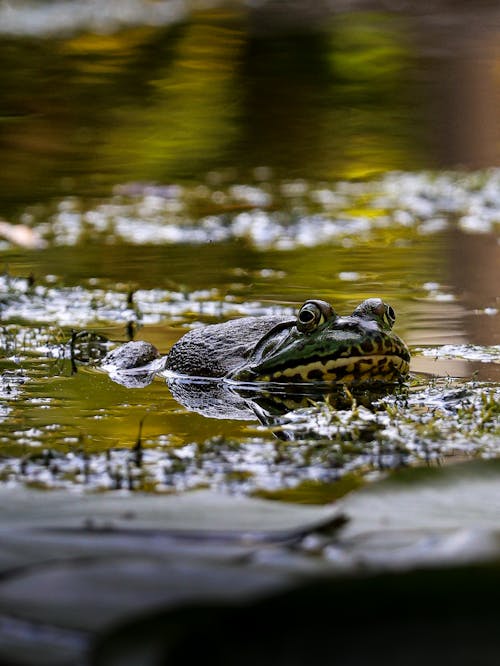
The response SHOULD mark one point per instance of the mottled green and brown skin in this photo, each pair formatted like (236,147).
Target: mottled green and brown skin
(317,346)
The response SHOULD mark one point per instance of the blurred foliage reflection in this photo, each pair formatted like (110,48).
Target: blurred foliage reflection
(82,113)
(189,118)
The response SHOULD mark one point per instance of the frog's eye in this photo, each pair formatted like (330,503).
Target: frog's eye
(389,315)
(312,314)
(376,309)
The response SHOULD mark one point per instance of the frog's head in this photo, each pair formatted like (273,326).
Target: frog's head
(322,346)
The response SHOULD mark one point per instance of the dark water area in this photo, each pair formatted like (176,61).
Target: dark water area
(163,169)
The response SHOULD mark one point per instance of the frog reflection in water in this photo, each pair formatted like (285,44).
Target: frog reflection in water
(318,346)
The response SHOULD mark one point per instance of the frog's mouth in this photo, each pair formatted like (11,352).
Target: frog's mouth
(380,360)
(344,370)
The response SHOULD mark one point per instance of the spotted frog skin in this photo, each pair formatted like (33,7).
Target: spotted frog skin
(317,346)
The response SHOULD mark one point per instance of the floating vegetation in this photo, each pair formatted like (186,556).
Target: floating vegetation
(80,306)
(67,425)
(484,354)
(283,215)
(426,424)
(27,19)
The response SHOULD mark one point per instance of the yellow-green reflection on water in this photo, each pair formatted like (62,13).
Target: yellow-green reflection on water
(372,62)
(191,113)
(172,103)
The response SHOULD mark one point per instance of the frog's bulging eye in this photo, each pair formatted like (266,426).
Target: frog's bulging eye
(377,310)
(307,319)
(312,314)
(389,315)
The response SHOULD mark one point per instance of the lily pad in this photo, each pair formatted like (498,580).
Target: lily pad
(75,567)
(397,549)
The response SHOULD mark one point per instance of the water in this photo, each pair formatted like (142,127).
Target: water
(174,169)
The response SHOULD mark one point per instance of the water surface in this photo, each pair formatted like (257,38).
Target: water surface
(181,170)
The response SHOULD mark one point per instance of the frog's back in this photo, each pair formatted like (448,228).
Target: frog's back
(215,350)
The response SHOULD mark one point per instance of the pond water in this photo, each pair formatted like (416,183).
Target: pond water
(163,170)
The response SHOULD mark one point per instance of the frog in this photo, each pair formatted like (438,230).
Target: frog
(318,345)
